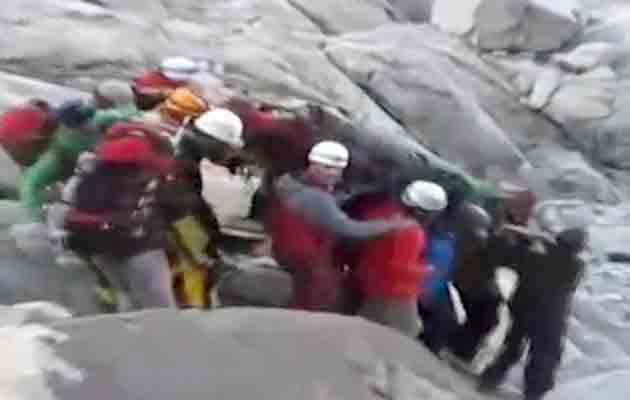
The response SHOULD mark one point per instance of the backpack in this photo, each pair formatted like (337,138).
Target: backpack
(26,131)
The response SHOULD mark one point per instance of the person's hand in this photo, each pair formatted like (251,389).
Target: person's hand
(402,223)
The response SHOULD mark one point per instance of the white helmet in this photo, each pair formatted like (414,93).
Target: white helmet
(223,125)
(332,154)
(179,68)
(425,195)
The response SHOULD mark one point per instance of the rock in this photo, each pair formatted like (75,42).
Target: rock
(16,89)
(24,278)
(413,70)
(256,286)
(9,176)
(586,106)
(588,56)
(569,176)
(601,73)
(274,48)
(351,15)
(457,17)
(574,102)
(30,359)
(523,25)
(340,358)
(500,24)
(414,10)
(544,87)
(38,312)
(11,213)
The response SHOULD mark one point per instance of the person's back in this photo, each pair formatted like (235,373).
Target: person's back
(540,309)
(390,266)
(388,271)
(547,282)
(296,240)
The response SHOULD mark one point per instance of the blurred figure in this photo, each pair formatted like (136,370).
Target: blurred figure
(540,308)
(388,270)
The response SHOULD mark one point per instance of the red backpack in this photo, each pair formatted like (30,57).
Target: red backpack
(26,131)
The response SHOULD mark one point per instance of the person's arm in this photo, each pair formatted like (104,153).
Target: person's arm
(103,119)
(321,209)
(46,171)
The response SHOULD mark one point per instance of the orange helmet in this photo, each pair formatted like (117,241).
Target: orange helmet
(182,103)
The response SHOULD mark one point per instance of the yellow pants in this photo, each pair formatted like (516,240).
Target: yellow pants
(192,279)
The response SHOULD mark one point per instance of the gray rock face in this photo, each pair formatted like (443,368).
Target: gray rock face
(27,278)
(423,90)
(243,354)
(523,25)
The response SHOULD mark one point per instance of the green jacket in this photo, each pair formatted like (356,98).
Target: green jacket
(57,163)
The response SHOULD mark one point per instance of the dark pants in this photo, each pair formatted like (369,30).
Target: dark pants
(439,323)
(545,333)
(482,317)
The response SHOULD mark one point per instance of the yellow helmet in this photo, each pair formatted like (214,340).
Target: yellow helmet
(182,103)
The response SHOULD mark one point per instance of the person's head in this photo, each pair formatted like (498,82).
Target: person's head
(184,103)
(473,221)
(326,162)
(152,88)
(518,202)
(179,69)
(221,132)
(426,200)
(113,93)
(572,240)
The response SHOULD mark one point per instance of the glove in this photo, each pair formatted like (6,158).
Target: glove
(75,113)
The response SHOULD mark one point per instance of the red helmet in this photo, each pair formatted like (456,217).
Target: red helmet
(22,123)
(151,88)
(26,130)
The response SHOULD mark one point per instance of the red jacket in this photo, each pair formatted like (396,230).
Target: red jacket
(390,267)
(307,251)
(298,244)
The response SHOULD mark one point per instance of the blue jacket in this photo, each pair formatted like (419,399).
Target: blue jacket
(441,257)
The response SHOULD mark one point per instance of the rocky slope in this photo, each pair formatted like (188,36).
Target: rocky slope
(463,81)
(396,78)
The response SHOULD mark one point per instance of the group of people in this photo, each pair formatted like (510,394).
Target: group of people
(124,169)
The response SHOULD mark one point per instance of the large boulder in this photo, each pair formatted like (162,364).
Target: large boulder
(414,10)
(387,100)
(524,25)
(27,277)
(229,354)
(468,111)
(588,104)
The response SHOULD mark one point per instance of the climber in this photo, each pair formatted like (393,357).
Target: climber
(478,254)
(120,211)
(540,308)
(480,251)
(26,130)
(387,272)
(306,224)
(153,87)
(435,305)
(226,187)
(81,126)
